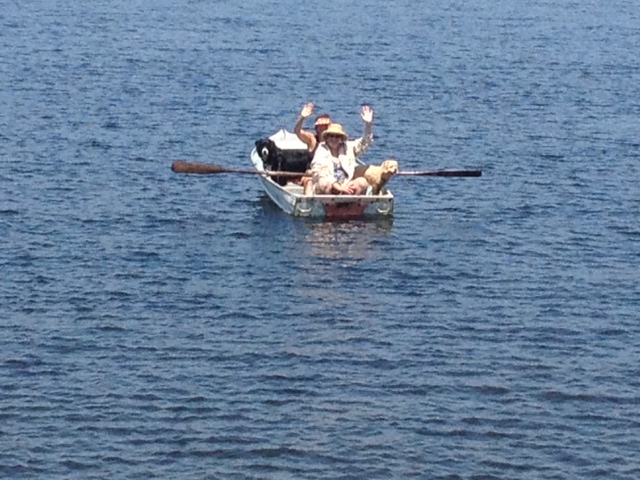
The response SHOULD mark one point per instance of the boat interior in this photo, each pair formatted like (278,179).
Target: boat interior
(296,155)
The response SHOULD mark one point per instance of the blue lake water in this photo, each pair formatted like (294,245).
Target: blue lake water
(154,325)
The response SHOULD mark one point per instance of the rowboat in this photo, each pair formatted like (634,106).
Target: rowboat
(289,194)
(292,200)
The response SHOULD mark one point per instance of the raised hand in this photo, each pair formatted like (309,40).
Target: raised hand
(307,110)
(367,114)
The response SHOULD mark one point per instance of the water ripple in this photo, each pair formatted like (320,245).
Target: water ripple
(154,325)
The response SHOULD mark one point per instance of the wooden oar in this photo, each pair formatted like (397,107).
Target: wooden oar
(444,173)
(208,169)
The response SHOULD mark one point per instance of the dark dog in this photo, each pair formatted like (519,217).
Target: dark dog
(279,160)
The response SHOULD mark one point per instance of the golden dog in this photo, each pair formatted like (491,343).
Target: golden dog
(377,175)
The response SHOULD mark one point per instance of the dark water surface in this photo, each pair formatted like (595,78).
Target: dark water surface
(162,326)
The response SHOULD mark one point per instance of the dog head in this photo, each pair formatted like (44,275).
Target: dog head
(389,168)
(267,150)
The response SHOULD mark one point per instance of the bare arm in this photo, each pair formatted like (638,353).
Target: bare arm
(307,137)
(362,144)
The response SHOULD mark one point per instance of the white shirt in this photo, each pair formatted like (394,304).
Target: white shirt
(324,163)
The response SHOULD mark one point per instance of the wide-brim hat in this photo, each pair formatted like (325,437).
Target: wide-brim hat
(335,129)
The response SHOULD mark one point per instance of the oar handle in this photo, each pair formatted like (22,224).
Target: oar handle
(210,169)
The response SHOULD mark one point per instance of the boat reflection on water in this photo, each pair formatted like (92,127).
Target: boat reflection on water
(337,258)
(347,240)
(315,263)
(306,241)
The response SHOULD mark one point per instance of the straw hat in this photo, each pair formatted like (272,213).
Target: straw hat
(335,129)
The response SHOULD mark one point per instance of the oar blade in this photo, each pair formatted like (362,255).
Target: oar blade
(209,168)
(443,173)
(196,168)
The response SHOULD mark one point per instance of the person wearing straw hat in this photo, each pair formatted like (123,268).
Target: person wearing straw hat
(334,162)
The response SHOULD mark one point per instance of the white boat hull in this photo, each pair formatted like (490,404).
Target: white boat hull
(291,198)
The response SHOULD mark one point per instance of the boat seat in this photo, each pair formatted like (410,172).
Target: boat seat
(294,188)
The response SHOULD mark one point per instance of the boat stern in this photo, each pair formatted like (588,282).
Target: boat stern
(344,206)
